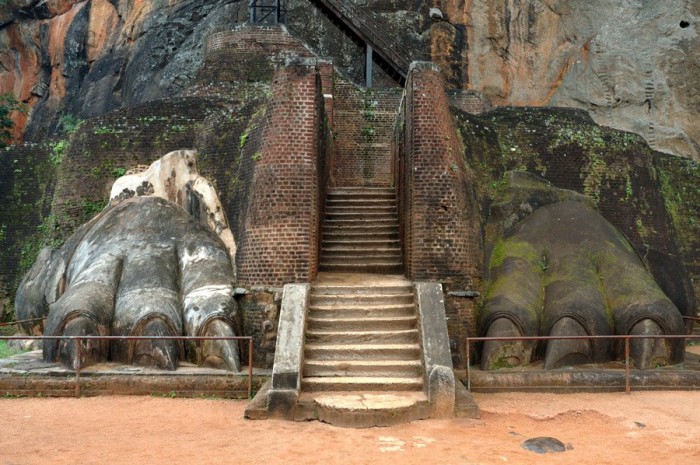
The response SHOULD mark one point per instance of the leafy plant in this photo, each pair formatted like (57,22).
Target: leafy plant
(70,123)
(8,105)
(7,351)
(58,150)
(93,207)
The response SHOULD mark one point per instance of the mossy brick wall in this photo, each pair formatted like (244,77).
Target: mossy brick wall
(27,180)
(280,239)
(679,178)
(363,126)
(470,101)
(438,209)
(104,147)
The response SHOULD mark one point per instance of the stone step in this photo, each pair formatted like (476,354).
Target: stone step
(359,243)
(363,215)
(378,268)
(383,224)
(360,383)
(391,254)
(362,311)
(360,324)
(360,352)
(360,227)
(404,287)
(360,207)
(404,336)
(365,189)
(368,258)
(365,409)
(357,235)
(361,299)
(363,368)
(361,261)
(383,194)
(359,202)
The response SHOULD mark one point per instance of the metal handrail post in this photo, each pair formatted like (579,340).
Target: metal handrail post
(250,367)
(628,388)
(469,373)
(79,363)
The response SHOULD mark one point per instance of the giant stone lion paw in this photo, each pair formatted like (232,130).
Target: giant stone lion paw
(142,267)
(564,270)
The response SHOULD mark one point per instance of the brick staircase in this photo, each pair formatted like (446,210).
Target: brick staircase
(361,232)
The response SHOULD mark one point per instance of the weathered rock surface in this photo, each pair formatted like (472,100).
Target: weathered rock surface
(632,64)
(174,177)
(85,58)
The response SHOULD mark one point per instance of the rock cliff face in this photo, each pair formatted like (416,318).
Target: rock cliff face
(633,64)
(85,58)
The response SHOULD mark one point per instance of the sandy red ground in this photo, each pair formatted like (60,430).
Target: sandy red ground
(651,427)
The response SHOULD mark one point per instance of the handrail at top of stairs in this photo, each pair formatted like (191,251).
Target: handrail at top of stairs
(370,31)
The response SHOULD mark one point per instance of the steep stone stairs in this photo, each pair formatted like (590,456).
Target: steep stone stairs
(363,351)
(361,231)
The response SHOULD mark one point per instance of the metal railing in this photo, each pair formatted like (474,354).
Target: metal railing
(626,338)
(80,339)
(267,11)
(371,32)
(20,322)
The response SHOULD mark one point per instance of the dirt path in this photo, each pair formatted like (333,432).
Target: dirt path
(658,427)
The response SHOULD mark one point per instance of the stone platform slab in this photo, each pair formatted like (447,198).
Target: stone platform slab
(28,375)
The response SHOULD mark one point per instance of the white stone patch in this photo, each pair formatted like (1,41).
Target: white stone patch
(199,254)
(208,291)
(172,177)
(389,444)
(422,441)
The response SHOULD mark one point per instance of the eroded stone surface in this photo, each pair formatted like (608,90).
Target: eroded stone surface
(565,271)
(143,267)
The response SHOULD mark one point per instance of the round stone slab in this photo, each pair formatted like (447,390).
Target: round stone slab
(365,401)
(364,410)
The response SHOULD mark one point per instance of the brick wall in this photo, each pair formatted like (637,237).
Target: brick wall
(442,240)
(26,188)
(471,101)
(363,126)
(279,243)
(438,209)
(249,53)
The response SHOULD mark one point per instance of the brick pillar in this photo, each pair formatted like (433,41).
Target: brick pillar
(442,233)
(281,233)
